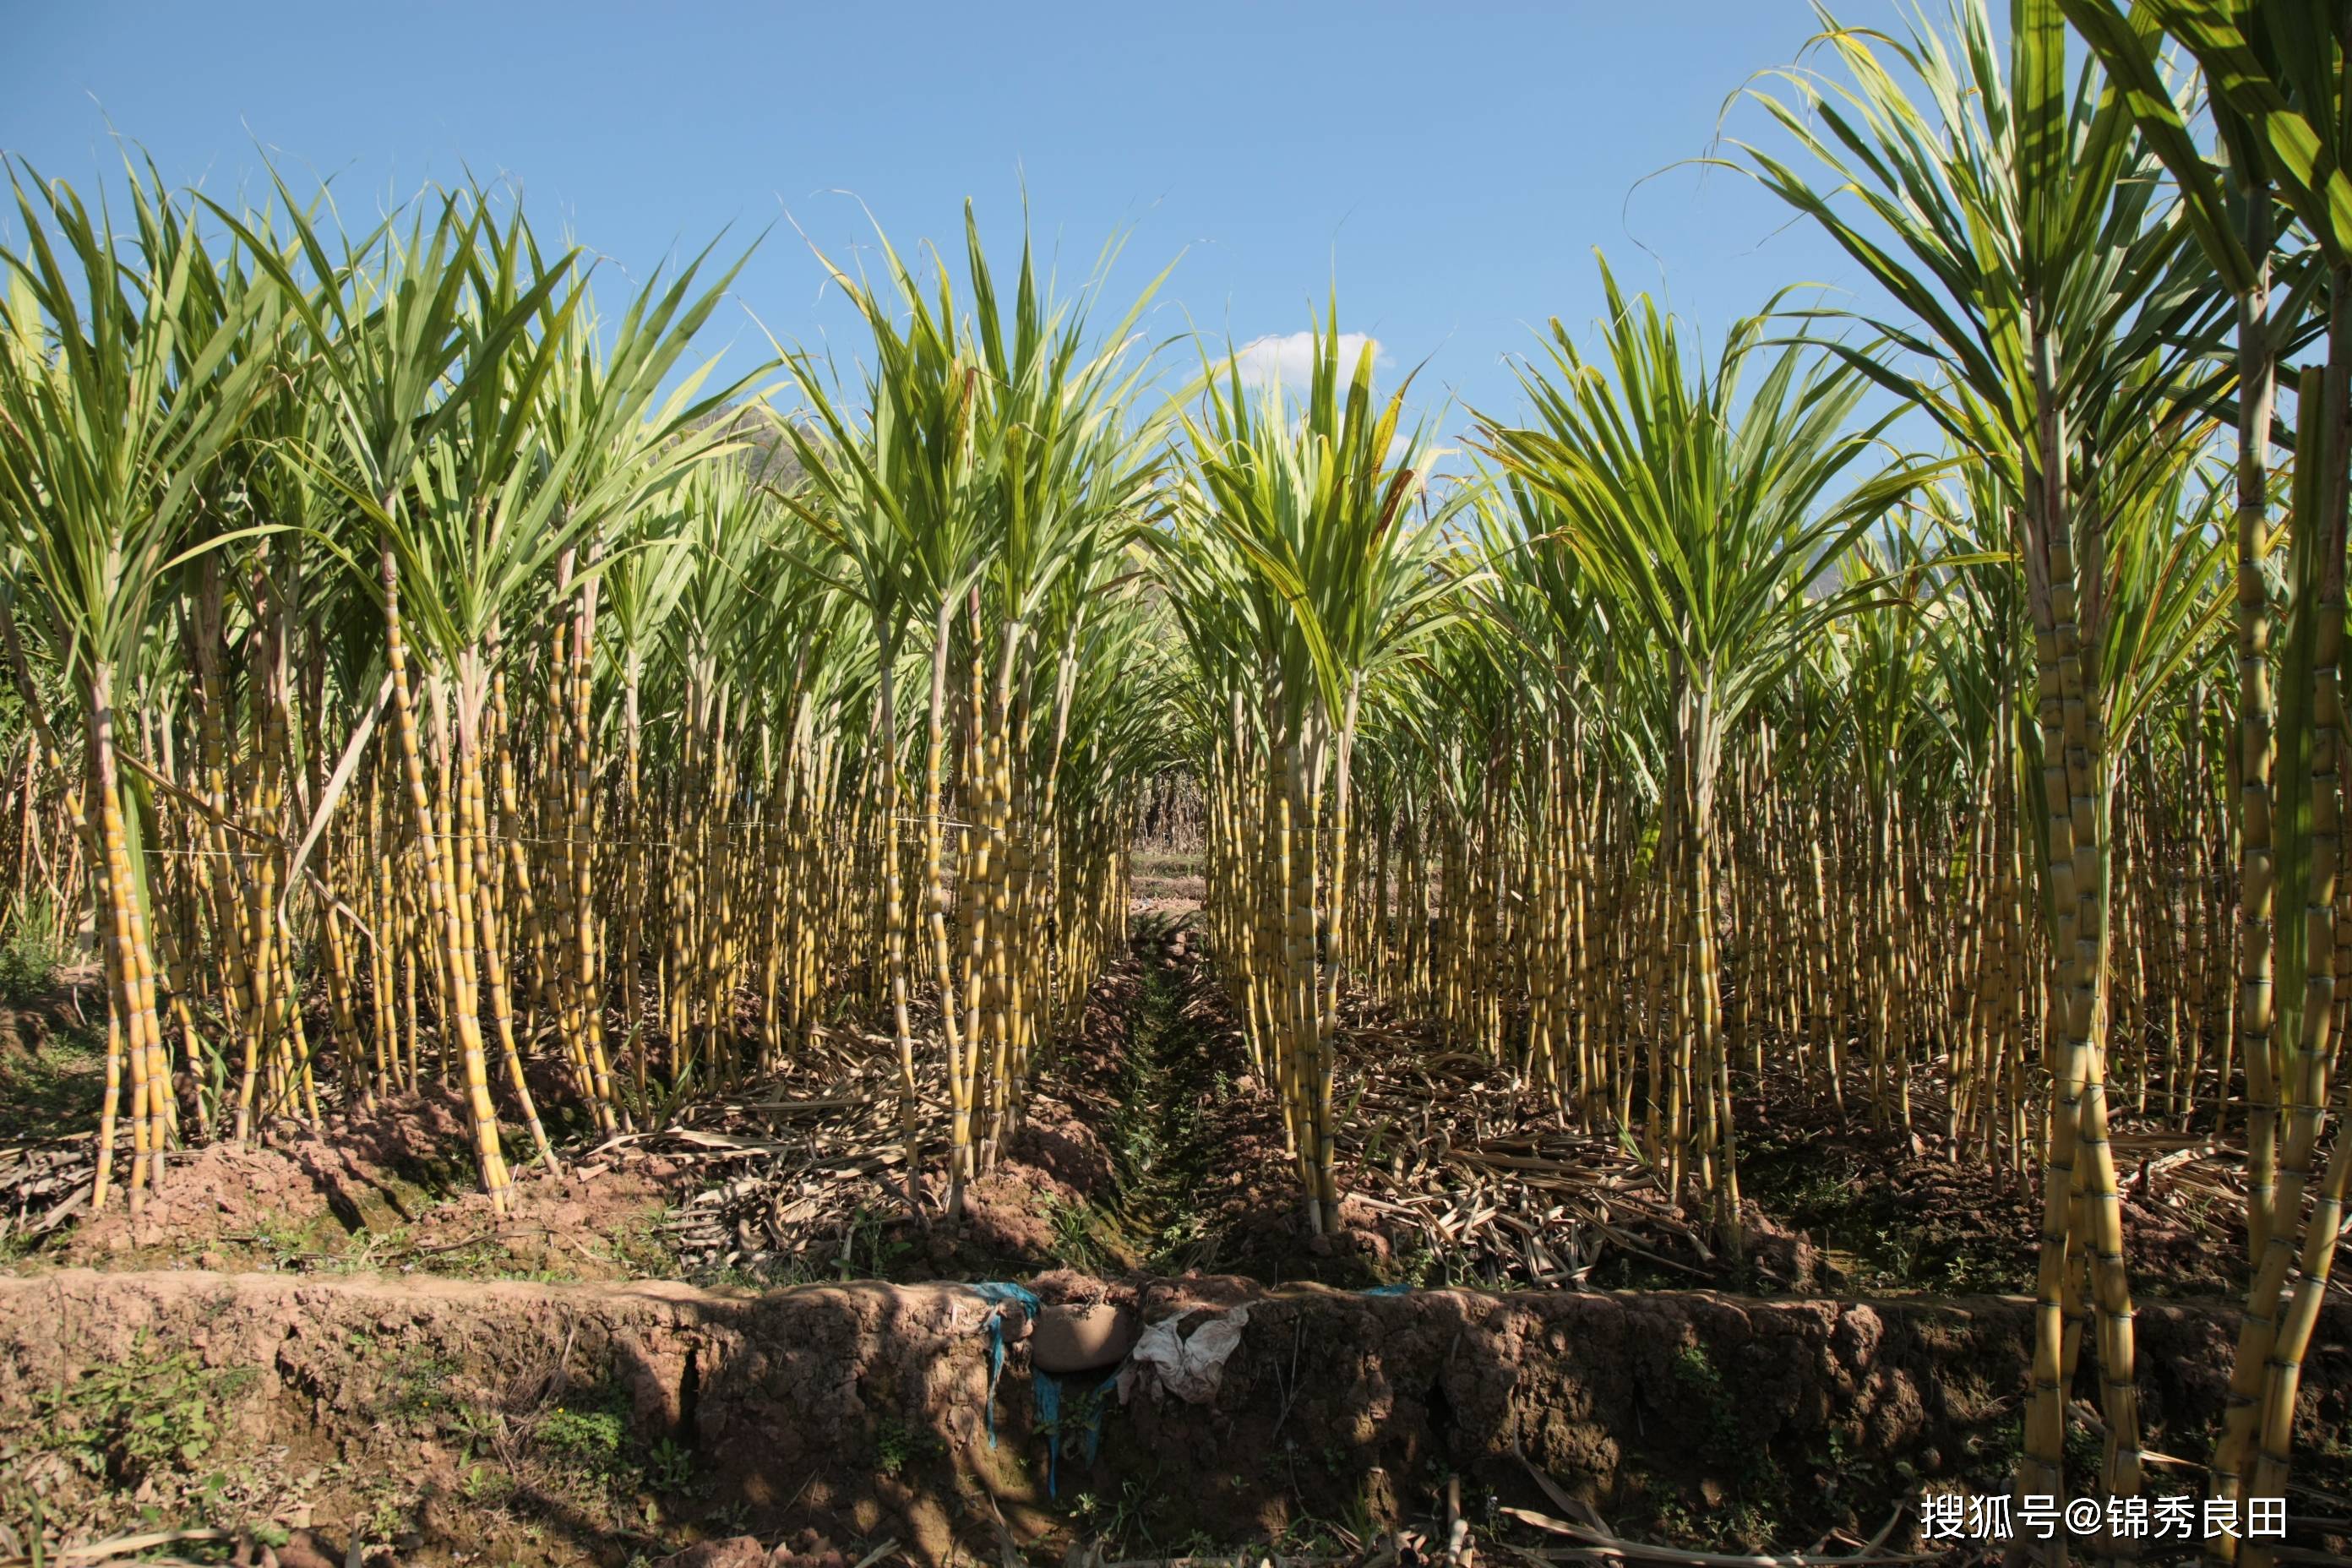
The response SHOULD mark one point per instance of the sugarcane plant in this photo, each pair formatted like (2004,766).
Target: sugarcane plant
(434,689)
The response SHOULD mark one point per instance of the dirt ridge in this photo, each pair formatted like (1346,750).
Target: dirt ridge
(861,1409)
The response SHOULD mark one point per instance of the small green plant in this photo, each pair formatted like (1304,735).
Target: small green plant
(1079,1419)
(141,1416)
(893,1447)
(590,1440)
(1075,1242)
(479,1428)
(1121,1523)
(418,1389)
(1414,1267)
(487,1484)
(1700,1384)
(638,1250)
(384,1510)
(35,929)
(284,1242)
(2084,1452)
(669,1465)
(868,1250)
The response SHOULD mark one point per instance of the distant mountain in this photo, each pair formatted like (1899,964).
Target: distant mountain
(765,454)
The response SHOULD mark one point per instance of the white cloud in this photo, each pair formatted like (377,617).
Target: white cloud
(1289,359)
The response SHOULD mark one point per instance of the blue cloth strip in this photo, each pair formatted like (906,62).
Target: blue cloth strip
(997,1292)
(1047,1390)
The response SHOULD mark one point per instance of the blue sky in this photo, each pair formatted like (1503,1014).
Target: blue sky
(1452,167)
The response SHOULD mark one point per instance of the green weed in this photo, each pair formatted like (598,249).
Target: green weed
(36,940)
(669,1466)
(590,1439)
(893,1447)
(141,1417)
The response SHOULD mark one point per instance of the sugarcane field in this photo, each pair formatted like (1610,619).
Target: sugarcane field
(958,860)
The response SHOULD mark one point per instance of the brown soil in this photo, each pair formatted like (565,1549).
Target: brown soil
(1120,1165)
(444,1418)
(1168,882)
(75,1001)
(1892,1208)
(217,1192)
(383,1187)
(1148,1144)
